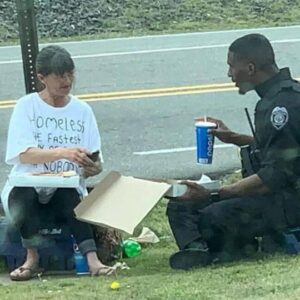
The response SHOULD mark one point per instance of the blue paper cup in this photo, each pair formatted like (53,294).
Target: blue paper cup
(205,142)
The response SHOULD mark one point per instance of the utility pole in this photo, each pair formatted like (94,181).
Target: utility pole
(29,42)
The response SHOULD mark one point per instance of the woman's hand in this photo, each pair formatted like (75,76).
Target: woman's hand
(92,169)
(36,155)
(77,155)
(80,157)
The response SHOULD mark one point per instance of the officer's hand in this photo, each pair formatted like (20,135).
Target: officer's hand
(222,132)
(194,193)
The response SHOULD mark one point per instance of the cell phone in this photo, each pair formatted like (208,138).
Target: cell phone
(94,156)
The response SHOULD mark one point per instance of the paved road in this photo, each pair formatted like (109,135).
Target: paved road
(150,62)
(145,136)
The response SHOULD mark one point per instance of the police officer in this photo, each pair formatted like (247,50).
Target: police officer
(209,225)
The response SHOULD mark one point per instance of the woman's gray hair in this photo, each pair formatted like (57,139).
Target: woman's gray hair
(54,60)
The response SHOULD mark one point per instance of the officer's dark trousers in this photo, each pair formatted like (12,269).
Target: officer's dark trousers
(25,210)
(226,224)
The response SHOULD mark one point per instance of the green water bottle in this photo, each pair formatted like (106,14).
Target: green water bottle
(131,248)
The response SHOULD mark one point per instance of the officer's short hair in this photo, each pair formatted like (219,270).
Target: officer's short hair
(255,48)
(54,60)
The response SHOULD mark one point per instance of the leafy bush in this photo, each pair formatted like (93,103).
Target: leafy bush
(59,18)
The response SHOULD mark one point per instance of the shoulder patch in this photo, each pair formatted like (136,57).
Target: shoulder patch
(279,117)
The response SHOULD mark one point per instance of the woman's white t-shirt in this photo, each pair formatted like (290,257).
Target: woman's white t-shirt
(34,123)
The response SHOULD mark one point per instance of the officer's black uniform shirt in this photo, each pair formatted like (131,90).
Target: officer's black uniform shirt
(277,128)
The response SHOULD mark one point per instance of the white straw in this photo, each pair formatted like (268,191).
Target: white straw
(205,119)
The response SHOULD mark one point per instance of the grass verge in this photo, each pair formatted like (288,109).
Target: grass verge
(271,277)
(137,18)
(150,277)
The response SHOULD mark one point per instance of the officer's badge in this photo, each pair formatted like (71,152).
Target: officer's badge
(279,117)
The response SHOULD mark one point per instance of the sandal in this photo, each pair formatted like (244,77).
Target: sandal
(24,273)
(103,271)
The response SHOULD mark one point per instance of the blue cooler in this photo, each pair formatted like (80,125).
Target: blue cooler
(292,240)
(56,253)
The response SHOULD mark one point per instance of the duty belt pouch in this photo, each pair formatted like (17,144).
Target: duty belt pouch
(250,160)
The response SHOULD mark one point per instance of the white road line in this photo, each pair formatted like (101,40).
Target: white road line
(175,150)
(161,50)
(167,35)
(8,62)
(131,52)
(149,51)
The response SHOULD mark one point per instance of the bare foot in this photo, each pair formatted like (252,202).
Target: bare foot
(27,271)
(24,273)
(101,270)
(96,267)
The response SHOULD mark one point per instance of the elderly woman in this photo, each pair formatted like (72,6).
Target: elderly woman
(51,131)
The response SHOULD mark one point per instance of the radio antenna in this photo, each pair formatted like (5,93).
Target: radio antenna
(251,125)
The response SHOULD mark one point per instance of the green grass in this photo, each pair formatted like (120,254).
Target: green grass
(135,18)
(150,277)
(272,277)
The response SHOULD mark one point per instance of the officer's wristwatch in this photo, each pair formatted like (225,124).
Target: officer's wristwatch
(214,197)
